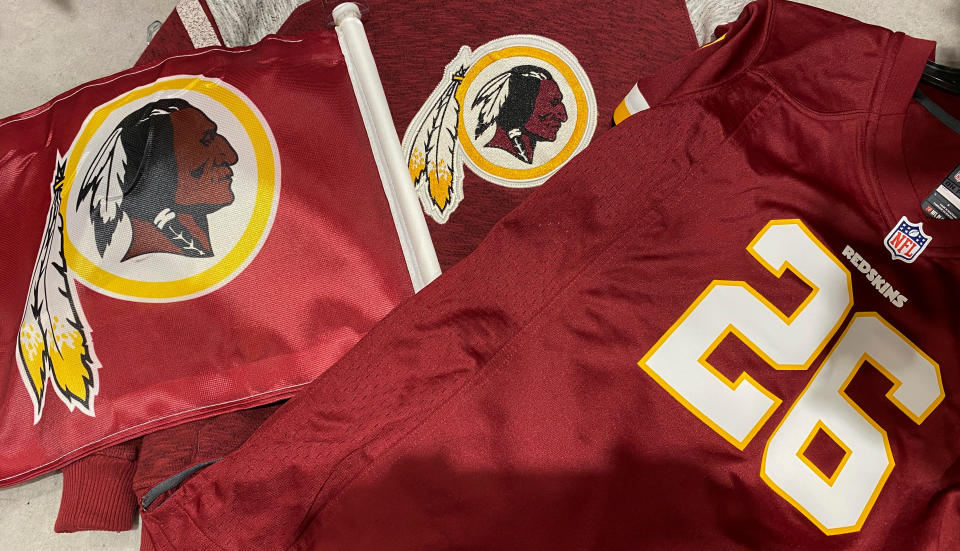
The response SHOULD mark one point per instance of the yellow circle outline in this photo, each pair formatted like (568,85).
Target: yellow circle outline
(238,255)
(564,154)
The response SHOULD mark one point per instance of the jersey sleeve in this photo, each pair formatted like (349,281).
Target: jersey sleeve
(98,491)
(432,347)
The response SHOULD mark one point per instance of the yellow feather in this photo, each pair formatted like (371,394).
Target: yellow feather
(416,164)
(441,178)
(70,372)
(31,350)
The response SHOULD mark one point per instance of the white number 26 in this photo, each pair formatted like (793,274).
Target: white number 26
(737,410)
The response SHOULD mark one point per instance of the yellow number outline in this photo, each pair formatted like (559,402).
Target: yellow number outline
(730,329)
(897,383)
(847,452)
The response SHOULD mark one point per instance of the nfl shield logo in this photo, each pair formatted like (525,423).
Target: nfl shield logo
(906,241)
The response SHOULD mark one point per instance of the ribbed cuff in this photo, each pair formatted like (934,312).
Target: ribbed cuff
(97,495)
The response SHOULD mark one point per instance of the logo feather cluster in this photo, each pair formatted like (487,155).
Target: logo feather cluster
(54,344)
(433,155)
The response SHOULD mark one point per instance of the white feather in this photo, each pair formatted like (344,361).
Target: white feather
(491,98)
(103,182)
(421,142)
(108,170)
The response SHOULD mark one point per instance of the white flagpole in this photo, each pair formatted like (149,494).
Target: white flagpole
(407,215)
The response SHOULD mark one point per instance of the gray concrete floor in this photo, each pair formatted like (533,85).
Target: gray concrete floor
(50,46)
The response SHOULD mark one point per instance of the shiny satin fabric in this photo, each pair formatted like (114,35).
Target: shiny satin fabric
(269,251)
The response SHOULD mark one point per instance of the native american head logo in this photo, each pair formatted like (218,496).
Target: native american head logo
(166,193)
(526,106)
(514,111)
(164,168)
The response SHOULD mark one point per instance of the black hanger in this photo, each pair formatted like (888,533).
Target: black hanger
(941,77)
(937,111)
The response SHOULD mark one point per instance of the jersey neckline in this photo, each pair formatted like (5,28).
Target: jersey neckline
(888,168)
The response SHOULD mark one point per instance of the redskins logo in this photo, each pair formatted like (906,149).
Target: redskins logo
(166,194)
(514,111)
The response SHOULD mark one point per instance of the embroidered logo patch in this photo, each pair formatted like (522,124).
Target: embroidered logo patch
(514,111)
(906,240)
(166,194)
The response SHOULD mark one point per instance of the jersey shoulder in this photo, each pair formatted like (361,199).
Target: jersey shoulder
(825,61)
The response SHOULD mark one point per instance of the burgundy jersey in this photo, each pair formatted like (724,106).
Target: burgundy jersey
(727,324)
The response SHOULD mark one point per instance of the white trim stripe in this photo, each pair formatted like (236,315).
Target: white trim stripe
(245,22)
(635,101)
(197,24)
